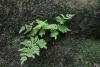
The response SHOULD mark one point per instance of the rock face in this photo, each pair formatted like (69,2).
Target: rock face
(14,13)
(39,8)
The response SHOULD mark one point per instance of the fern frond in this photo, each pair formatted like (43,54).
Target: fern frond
(63,28)
(22,29)
(42,43)
(51,27)
(54,34)
(41,33)
(69,16)
(60,19)
(28,28)
(23,59)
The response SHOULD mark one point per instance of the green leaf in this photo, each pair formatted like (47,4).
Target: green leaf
(38,27)
(27,55)
(60,19)
(63,28)
(69,16)
(23,59)
(62,16)
(27,43)
(35,50)
(32,39)
(41,23)
(23,50)
(33,56)
(41,33)
(42,43)
(22,29)
(54,34)
(28,28)
(34,32)
(52,27)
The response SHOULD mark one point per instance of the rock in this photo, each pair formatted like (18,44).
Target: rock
(97,65)
(2,61)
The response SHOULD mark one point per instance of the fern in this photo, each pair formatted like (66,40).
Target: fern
(54,34)
(22,29)
(35,42)
(61,19)
(42,43)
(63,28)
(42,32)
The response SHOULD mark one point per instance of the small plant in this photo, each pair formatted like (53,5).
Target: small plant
(35,36)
